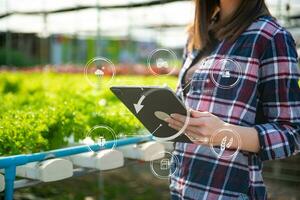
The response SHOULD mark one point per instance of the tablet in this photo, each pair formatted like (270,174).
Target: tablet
(151,105)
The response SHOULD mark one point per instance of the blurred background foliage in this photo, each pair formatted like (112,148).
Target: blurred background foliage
(42,111)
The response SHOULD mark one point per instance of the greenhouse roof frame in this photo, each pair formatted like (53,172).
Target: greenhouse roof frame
(142,20)
(76,8)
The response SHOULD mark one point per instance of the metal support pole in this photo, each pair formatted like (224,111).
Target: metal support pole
(98,39)
(43,44)
(10,175)
(101,186)
(8,38)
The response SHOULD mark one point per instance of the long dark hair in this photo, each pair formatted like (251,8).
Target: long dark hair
(207,28)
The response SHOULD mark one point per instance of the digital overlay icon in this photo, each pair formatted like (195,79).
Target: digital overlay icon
(164,164)
(99,72)
(225,73)
(101,141)
(162,62)
(100,137)
(225,143)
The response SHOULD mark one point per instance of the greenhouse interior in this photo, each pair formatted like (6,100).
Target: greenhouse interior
(70,130)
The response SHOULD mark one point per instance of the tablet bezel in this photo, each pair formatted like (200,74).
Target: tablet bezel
(149,89)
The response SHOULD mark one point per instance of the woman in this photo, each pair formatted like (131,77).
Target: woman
(263,108)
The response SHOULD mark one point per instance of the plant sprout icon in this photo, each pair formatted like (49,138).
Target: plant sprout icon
(224,145)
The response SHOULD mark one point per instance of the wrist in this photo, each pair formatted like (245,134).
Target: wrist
(244,138)
(225,130)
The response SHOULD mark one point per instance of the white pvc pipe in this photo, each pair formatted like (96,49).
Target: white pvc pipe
(2,183)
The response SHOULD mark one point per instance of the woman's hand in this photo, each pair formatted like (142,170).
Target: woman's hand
(200,126)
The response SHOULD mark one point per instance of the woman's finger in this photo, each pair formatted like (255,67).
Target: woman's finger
(177,123)
(174,122)
(178,128)
(175,127)
(191,120)
(195,113)
(194,128)
(198,139)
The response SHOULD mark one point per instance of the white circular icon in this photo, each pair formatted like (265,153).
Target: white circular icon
(225,73)
(99,72)
(200,82)
(162,62)
(225,143)
(164,164)
(100,137)
(162,115)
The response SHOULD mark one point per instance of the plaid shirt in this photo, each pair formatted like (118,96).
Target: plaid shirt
(267,97)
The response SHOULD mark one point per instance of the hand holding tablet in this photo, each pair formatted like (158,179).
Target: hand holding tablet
(152,106)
